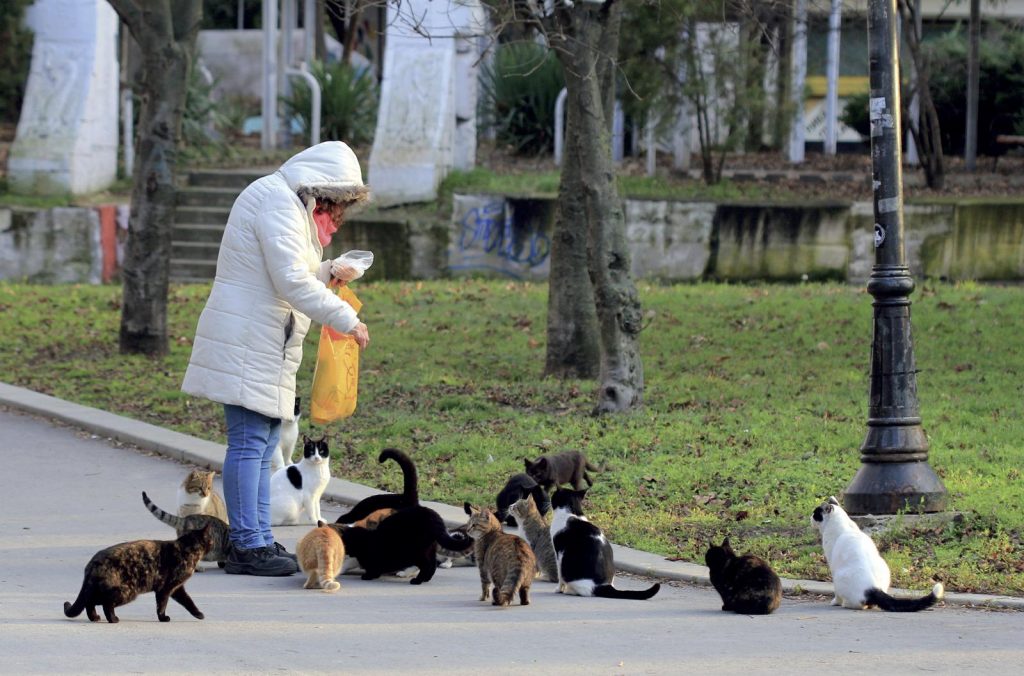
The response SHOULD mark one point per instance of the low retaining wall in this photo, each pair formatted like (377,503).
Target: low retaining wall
(492,235)
(689,241)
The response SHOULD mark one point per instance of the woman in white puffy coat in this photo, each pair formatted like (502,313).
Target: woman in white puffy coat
(270,284)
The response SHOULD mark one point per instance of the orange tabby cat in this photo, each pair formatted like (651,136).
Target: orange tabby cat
(321,553)
(507,564)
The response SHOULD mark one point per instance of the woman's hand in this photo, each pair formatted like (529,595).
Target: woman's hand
(361,334)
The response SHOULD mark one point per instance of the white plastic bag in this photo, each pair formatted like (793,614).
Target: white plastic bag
(351,265)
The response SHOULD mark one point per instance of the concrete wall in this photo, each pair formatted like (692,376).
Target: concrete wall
(50,246)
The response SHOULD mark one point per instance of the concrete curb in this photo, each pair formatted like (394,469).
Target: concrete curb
(210,455)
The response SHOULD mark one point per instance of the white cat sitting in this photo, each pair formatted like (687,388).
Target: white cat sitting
(860,575)
(296,489)
(286,443)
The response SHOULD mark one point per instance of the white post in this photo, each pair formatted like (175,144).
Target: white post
(832,95)
(618,132)
(799,76)
(315,97)
(128,131)
(911,157)
(268,133)
(309,30)
(560,124)
(652,149)
(288,21)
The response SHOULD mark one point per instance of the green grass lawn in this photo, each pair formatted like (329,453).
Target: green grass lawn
(755,407)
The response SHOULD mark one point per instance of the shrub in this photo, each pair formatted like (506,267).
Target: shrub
(519,89)
(15,57)
(348,105)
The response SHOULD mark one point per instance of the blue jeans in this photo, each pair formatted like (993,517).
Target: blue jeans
(252,439)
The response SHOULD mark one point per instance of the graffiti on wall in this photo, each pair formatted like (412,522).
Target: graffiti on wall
(507,237)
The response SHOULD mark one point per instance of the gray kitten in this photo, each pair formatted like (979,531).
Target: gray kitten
(568,467)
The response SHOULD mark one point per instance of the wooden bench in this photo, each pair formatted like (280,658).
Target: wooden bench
(1004,143)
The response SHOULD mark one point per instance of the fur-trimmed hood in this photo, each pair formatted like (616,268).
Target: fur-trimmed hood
(328,170)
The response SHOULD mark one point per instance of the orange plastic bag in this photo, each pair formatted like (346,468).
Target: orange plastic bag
(336,376)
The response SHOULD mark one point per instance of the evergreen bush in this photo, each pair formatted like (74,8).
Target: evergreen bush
(348,109)
(15,57)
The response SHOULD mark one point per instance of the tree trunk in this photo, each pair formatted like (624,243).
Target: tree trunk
(585,35)
(166,36)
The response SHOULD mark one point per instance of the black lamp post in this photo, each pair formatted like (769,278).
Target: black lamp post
(894,473)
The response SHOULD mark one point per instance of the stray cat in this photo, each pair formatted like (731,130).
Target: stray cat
(859,574)
(747,584)
(518,487)
(297,488)
(409,537)
(538,534)
(321,554)
(446,558)
(219,531)
(506,562)
(409,497)
(569,467)
(282,456)
(117,575)
(196,496)
(585,563)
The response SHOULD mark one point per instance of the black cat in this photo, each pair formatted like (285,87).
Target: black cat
(516,488)
(747,584)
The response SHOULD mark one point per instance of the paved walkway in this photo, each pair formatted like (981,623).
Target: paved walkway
(68,493)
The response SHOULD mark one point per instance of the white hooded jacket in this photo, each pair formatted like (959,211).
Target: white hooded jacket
(270,283)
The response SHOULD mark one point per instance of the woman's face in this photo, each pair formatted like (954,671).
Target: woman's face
(336,210)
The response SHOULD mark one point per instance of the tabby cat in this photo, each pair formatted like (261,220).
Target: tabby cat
(538,534)
(747,584)
(506,562)
(409,537)
(117,575)
(409,496)
(321,554)
(196,496)
(219,530)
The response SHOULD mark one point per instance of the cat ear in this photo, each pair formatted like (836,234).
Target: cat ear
(468,507)
(527,463)
(725,543)
(832,500)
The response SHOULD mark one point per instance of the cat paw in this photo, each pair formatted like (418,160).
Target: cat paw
(332,586)
(416,580)
(447,563)
(163,618)
(197,615)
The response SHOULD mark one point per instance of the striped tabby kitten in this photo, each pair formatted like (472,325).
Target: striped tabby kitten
(538,534)
(117,575)
(321,554)
(506,562)
(196,496)
(219,531)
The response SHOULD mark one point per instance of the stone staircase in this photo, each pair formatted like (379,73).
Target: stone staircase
(203,206)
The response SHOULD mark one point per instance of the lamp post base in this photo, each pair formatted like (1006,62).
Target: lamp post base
(890,487)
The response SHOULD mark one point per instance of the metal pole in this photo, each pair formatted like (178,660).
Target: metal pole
(973,77)
(894,474)
(832,93)
(308,30)
(799,76)
(268,133)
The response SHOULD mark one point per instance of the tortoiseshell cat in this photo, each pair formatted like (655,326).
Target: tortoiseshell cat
(117,575)
(219,531)
(409,496)
(196,496)
(321,554)
(747,584)
(506,562)
(538,534)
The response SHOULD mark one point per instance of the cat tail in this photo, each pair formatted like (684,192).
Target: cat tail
(609,592)
(448,541)
(879,598)
(75,609)
(172,520)
(325,563)
(410,490)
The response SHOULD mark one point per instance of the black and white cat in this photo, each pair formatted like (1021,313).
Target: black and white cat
(286,443)
(859,574)
(296,489)
(584,555)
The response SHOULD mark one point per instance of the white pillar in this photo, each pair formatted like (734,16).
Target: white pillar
(268,134)
(832,94)
(66,141)
(799,76)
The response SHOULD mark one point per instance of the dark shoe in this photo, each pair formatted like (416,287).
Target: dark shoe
(258,561)
(278,550)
